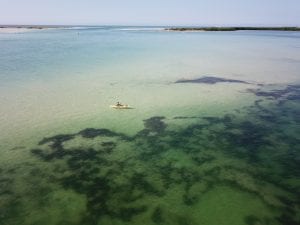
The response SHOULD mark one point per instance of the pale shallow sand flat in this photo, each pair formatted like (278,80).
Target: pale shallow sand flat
(14,30)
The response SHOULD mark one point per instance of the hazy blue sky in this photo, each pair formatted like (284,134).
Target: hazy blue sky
(151,12)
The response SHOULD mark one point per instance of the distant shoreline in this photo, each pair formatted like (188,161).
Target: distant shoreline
(33,26)
(26,28)
(11,29)
(232,28)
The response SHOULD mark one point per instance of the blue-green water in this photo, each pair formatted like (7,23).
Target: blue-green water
(187,153)
(53,53)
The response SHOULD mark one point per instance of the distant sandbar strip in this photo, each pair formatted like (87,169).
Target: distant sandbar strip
(233,28)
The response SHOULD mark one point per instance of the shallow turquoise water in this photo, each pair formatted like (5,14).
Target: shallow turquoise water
(52,53)
(188,153)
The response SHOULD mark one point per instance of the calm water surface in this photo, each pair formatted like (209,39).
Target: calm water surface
(187,153)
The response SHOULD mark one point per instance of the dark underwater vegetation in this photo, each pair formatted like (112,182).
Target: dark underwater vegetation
(242,168)
(210,80)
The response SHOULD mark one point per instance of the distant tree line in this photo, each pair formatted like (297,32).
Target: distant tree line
(232,28)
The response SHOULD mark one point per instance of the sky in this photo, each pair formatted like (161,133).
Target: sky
(151,12)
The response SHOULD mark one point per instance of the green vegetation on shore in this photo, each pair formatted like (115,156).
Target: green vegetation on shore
(232,28)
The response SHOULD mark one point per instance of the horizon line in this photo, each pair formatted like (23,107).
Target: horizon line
(148,25)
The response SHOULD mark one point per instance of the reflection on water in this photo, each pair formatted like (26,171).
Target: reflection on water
(242,168)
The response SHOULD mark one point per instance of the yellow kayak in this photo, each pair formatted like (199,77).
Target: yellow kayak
(120,107)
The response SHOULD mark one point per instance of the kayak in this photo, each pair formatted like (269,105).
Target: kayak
(120,107)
